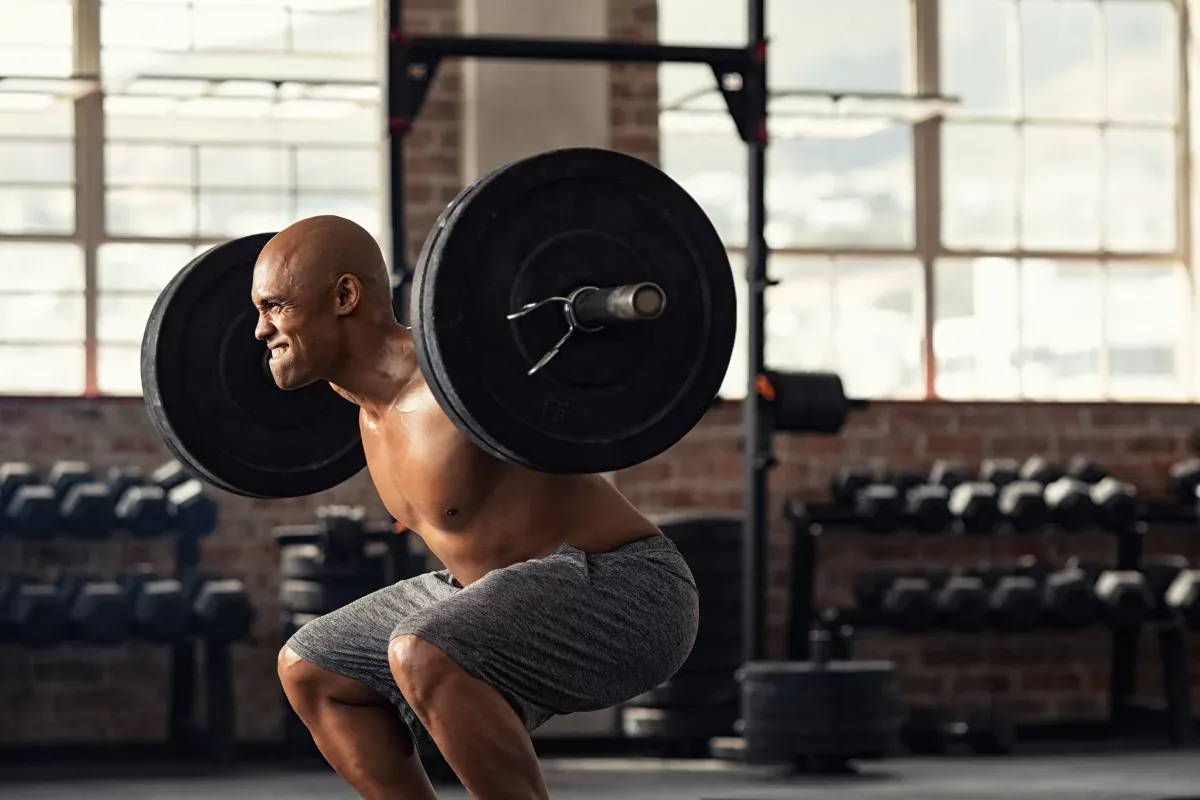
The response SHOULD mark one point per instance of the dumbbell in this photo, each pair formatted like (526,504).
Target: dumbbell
(1086,470)
(1068,600)
(1183,598)
(144,512)
(1160,572)
(1123,598)
(904,480)
(975,507)
(878,506)
(161,611)
(140,507)
(13,475)
(928,508)
(905,602)
(33,612)
(121,479)
(949,474)
(999,471)
(32,511)
(98,611)
(169,475)
(85,504)
(1014,601)
(1022,505)
(194,512)
(1040,470)
(220,607)
(1185,479)
(1116,504)
(962,603)
(927,731)
(909,604)
(1069,501)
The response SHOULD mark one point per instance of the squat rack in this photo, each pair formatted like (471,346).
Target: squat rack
(741,77)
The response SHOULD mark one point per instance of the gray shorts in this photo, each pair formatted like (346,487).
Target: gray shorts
(566,633)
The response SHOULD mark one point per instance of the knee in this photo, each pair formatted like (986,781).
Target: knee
(303,682)
(418,668)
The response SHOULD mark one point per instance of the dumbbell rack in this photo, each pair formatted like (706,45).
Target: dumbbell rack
(1125,714)
(186,737)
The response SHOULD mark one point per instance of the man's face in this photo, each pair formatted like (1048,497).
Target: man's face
(297,322)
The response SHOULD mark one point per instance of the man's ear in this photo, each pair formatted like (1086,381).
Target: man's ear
(348,294)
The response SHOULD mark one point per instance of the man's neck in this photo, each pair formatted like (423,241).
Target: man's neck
(379,363)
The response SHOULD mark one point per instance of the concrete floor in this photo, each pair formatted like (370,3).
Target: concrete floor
(1101,776)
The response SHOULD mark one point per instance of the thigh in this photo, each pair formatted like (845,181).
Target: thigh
(353,641)
(571,632)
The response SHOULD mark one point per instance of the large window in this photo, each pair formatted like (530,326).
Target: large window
(1047,209)
(1057,170)
(218,119)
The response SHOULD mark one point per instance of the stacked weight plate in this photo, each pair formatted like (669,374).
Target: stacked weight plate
(701,700)
(824,713)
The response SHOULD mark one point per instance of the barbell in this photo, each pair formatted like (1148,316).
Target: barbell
(573,312)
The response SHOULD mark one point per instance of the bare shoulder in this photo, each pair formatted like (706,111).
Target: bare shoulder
(416,397)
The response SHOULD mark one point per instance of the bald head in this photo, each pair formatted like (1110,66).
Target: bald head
(320,251)
(316,283)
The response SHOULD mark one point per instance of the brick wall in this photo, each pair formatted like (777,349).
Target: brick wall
(1042,676)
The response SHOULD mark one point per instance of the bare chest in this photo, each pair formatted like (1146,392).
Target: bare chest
(426,471)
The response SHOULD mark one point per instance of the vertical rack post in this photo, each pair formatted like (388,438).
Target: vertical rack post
(757,456)
(1125,642)
(181,722)
(398,126)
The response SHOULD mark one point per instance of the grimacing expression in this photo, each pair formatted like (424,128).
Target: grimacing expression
(297,321)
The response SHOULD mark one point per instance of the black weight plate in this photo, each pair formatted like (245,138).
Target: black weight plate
(306,562)
(215,405)
(542,227)
(680,724)
(311,597)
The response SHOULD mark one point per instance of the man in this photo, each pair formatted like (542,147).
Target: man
(558,595)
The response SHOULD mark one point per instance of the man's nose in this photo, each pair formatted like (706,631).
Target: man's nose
(264,329)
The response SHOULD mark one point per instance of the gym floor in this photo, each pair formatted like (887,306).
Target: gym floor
(1096,776)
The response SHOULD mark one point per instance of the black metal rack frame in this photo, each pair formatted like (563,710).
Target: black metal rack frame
(741,77)
(1126,714)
